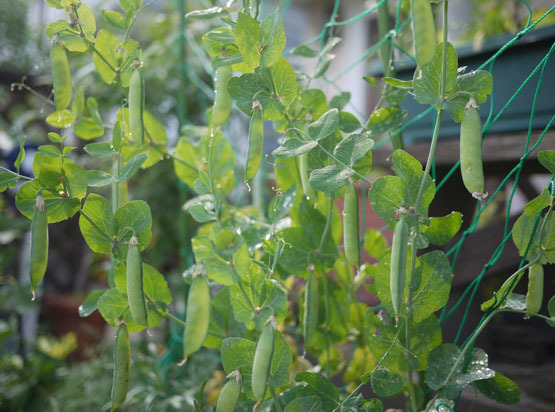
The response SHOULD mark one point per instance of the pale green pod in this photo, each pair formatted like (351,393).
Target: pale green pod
(198,316)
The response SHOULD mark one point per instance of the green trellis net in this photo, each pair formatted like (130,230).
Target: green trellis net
(536,75)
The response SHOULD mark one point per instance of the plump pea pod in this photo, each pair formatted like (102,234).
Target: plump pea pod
(256,142)
(122,362)
(198,316)
(230,393)
(135,291)
(305,183)
(222,100)
(311,306)
(39,243)
(534,296)
(471,151)
(61,76)
(399,253)
(351,236)
(423,31)
(136,107)
(263,360)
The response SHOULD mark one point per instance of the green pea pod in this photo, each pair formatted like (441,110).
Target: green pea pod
(136,107)
(122,362)
(222,99)
(198,316)
(399,253)
(351,235)
(534,296)
(229,394)
(423,30)
(61,76)
(39,243)
(311,306)
(471,151)
(135,291)
(305,182)
(263,360)
(256,142)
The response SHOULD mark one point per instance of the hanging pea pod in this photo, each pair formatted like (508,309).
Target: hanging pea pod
(305,182)
(39,243)
(423,30)
(263,359)
(135,291)
(122,369)
(61,76)
(222,99)
(136,107)
(256,142)
(399,253)
(230,393)
(351,235)
(311,306)
(471,151)
(534,296)
(198,316)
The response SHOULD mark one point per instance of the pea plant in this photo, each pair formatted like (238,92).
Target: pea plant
(277,291)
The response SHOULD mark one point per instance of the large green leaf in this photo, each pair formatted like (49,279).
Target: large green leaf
(107,45)
(522,234)
(353,148)
(304,404)
(321,387)
(248,38)
(330,178)
(477,84)
(222,321)
(442,229)
(387,195)
(58,207)
(386,119)
(104,226)
(547,159)
(386,383)
(134,218)
(499,388)
(325,125)
(273,38)
(294,147)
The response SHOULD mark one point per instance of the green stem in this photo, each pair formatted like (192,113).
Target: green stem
(412,393)
(274,397)
(14,173)
(115,183)
(39,96)
(327,320)
(327,226)
(180,322)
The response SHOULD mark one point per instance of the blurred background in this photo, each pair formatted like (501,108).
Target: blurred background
(51,359)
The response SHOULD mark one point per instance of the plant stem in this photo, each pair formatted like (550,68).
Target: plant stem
(327,296)
(22,85)
(276,403)
(14,173)
(327,226)
(412,393)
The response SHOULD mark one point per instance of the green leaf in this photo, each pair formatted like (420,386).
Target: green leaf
(330,178)
(304,404)
(114,306)
(499,388)
(205,14)
(90,304)
(86,17)
(106,44)
(353,148)
(373,405)
(443,362)
(386,383)
(20,155)
(222,322)
(281,360)
(477,84)
(522,232)
(248,38)
(324,126)
(215,41)
(131,167)
(50,150)
(323,65)
(237,353)
(537,204)
(134,218)
(386,119)
(322,387)
(348,122)
(7,179)
(386,195)
(100,150)
(375,243)
(442,229)
(273,38)
(340,101)
(61,119)
(315,101)
(99,211)
(114,19)
(551,307)
(294,147)
(547,159)
(216,268)
(78,104)
(305,51)
(98,178)
(155,133)
(130,6)
(403,84)
(427,80)
(87,129)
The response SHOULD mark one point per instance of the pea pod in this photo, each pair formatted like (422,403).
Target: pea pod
(39,243)
(471,151)
(256,142)
(263,360)
(534,296)
(198,316)
(135,291)
(122,369)
(423,31)
(61,76)
(230,393)
(222,99)
(351,235)
(136,107)
(399,253)
(311,306)
(305,183)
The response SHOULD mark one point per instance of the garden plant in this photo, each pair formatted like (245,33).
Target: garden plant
(276,290)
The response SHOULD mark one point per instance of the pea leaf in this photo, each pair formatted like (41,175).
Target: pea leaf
(386,383)
(205,14)
(387,195)
(87,129)
(340,101)
(273,38)
(293,147)
(499,388)
(99,210)
(442,229)
(539,203)
(402,84)
(106,44)
(7,179)
(304,404)
(386,119)
(315,101)
(134,218)
(504,292)
(522,233)
(131,167)
(20,155)
(61,119)
(375,244)
(114,19)
(100,150)
(353,148)
(91,303)
(321,387)
(547,159)
(441,362)
(325,125)
(222,322)
(248,37)
(155,133)
(98,178)
(330,178)
(113,306)
(427,80)
(348,122)
(477,84)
